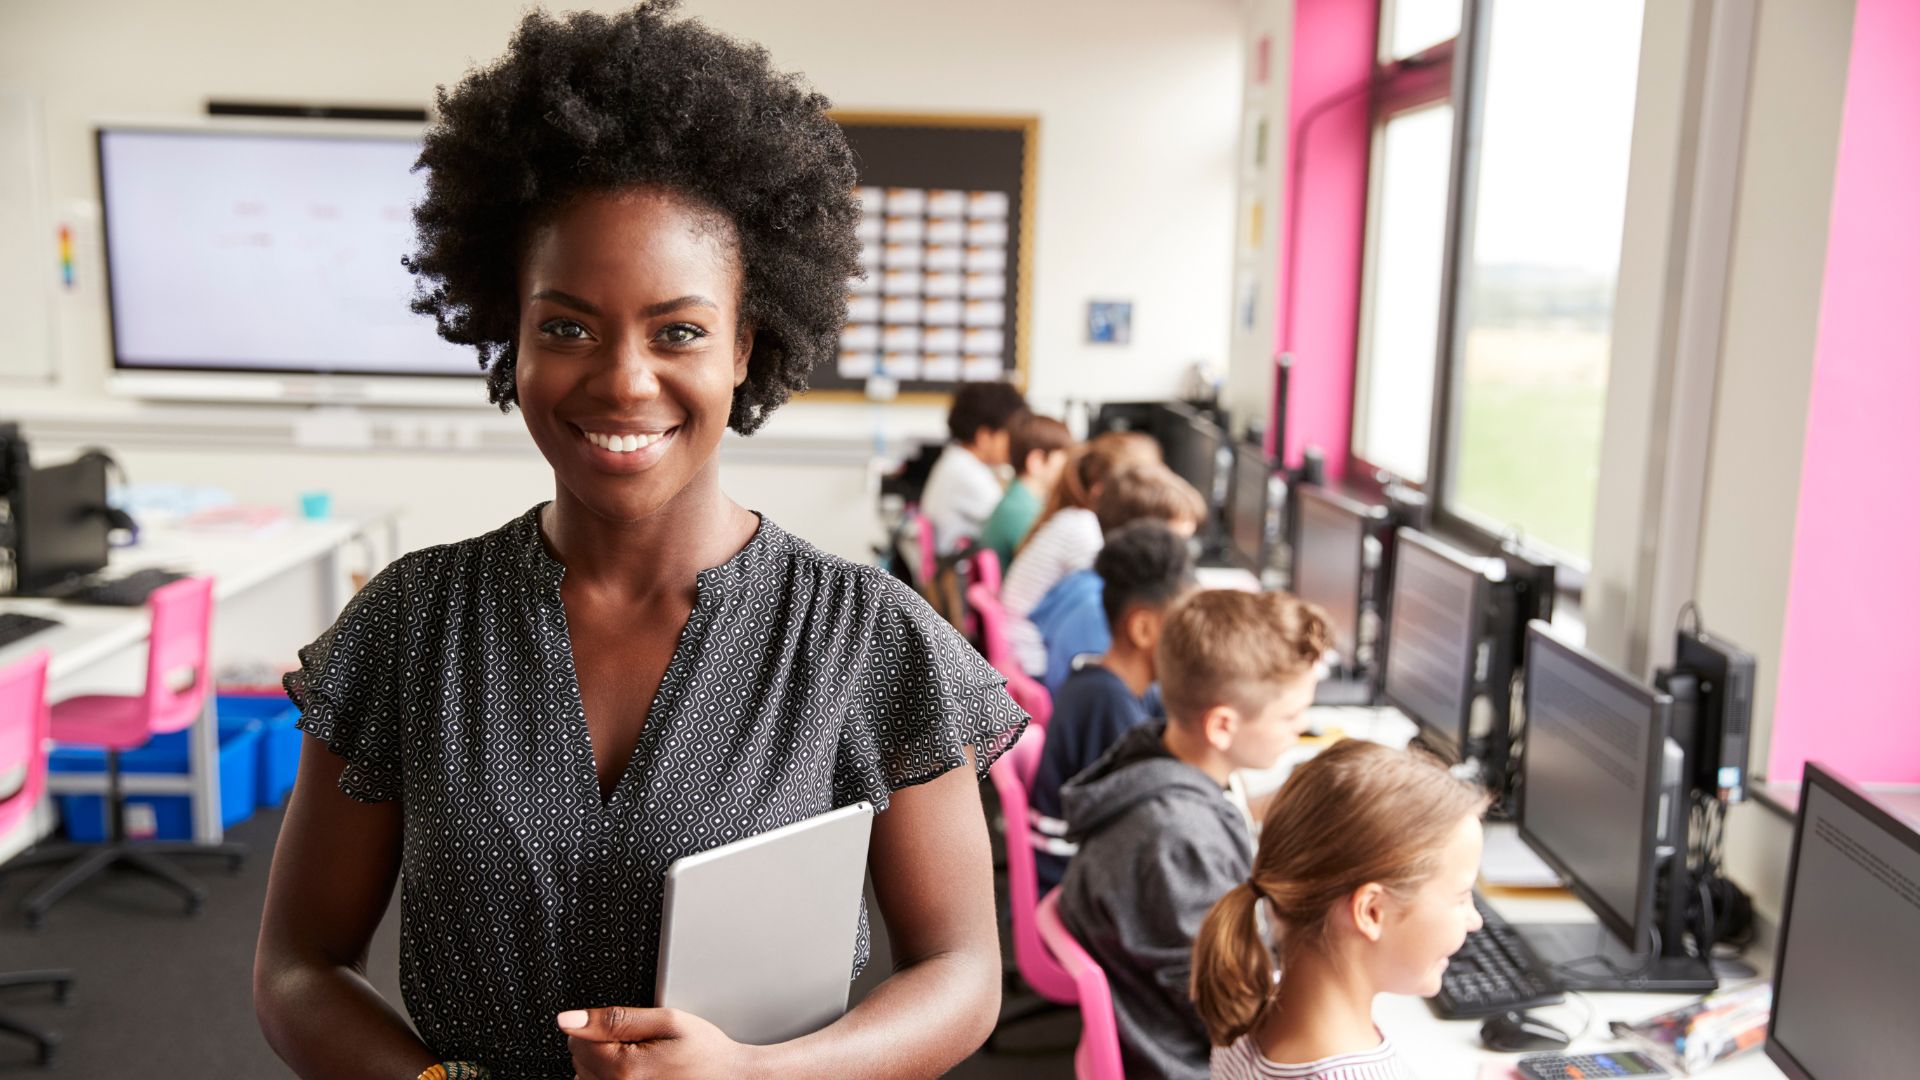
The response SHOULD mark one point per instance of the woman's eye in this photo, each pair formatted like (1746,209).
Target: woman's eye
(682,334)
(563,328)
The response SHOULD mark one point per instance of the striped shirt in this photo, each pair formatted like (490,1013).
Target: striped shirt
(1064,544)
(1244,1061)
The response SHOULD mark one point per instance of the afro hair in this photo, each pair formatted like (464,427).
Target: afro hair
(588,103)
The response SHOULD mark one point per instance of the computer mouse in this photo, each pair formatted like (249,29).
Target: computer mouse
(1518,1032)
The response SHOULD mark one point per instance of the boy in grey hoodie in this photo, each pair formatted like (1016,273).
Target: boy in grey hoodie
(1162,829)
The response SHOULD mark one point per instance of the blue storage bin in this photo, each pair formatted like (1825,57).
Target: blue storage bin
(86,815)
(280,740)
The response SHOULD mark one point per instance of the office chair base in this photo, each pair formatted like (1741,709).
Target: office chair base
(44,1042)
(92,860)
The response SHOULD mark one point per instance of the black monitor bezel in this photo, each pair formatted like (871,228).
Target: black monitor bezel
(1353,508)
(1635,930)
(1179,422)
(1461,725)
(1244,452)
(1857,800)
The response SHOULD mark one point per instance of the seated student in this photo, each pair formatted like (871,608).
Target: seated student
(1067,536)
(1144,570)
(1373,906)
(1162,834)
(1069,619)
(1039,448)
(963,488)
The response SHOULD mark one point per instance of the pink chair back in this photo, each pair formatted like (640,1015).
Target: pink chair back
(1010,775)
(1098,1056)
(929,551)
(23,738)
(179,668)
(1027,691)
(986,570)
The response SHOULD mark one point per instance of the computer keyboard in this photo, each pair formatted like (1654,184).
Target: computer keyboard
(15,625)
(130,590)
(1493,972)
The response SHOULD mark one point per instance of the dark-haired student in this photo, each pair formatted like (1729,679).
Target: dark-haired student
(1144,570)
(524,730)
(964,486)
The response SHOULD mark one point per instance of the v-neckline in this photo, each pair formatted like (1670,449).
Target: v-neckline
(706,597)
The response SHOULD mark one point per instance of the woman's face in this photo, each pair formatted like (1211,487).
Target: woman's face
(629,346)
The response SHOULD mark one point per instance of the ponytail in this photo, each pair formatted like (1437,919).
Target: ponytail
(1232,966)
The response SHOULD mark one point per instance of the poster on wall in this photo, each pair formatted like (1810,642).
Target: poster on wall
(944,227)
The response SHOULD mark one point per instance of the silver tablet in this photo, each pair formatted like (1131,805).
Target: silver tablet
(757,936)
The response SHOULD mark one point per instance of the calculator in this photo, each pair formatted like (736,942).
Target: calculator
(1590,1066)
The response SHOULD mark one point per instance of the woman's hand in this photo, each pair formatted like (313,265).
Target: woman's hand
(619,1043)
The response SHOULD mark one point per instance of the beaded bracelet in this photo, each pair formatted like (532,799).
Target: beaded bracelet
(455,1070)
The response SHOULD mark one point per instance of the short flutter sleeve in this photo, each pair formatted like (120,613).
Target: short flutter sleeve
(349,691)
(923,698)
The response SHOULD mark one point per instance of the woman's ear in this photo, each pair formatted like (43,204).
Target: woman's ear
(1368,909)
(742,353)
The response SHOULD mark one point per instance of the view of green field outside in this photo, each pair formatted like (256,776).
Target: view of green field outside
(1531,411)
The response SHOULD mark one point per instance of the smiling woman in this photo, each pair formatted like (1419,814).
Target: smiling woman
(645,233)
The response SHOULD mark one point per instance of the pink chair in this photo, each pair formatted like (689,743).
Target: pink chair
(1027,691)
(1010,775)
(986,570)
(179,686)
(1098,1056)
(23,779)
(929,551)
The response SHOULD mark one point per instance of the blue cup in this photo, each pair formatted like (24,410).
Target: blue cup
(316,505)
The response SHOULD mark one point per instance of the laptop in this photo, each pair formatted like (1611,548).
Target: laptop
(757,936)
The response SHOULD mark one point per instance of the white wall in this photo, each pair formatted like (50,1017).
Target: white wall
(1139,119)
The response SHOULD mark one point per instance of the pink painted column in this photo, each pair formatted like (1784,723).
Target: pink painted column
(1333,52)
(1851,652)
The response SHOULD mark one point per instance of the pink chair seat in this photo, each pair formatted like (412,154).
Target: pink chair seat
(109,720)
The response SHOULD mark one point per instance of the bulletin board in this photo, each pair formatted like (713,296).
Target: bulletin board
(946,242)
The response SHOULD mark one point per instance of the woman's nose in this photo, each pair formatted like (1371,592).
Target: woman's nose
(630,377)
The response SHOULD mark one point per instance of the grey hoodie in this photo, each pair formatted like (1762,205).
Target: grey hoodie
(1159,843)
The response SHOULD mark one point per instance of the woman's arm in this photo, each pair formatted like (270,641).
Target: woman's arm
(933,876)
(333,873)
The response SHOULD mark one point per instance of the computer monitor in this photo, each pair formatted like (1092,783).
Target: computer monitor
(1251,519)
(1193,446)
(1329,560)
(1435,620)
(1602,800)
(60,524)
(1125,416)
(1844,976)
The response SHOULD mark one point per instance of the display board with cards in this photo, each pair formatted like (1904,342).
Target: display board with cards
(944,235)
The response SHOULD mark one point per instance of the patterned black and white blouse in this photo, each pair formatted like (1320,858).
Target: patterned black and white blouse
(801,683)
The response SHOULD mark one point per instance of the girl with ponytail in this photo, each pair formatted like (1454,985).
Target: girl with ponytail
(1365,876)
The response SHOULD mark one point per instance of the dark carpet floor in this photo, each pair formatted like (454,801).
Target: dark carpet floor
(164,995)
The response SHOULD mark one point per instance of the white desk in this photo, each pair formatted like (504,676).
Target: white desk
(92,638)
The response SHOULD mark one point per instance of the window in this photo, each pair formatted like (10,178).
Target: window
(1400,307)
(1536,289)
(1413,26)
(1489,271)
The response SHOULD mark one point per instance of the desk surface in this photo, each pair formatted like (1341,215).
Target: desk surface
(238,562)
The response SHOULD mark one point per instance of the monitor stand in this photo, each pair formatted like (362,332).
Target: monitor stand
(1585,956)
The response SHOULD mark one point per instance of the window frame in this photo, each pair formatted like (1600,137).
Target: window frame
(1454,71)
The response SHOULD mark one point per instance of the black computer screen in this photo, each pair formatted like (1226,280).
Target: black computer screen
(1192,445)
(1328,559)
(1590,784)
(1249,506)
(63,530)
(1433,634)
(1846,977)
